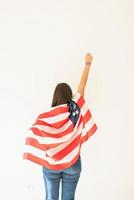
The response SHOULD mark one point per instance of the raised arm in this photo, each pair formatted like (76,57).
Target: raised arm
(84,77)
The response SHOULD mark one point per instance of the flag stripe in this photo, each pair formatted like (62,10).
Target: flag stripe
(54,130)
(34,142)
(54,141)
(54,112)
(89,133)
(58,118)
(56,123)
(42,133)
(42,162)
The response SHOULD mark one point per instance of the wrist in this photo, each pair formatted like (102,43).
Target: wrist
(88,63)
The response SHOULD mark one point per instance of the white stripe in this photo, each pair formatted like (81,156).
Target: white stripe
(76,97)
(84,109)
(52,129)
(41,154)
(57,118)
(88,126)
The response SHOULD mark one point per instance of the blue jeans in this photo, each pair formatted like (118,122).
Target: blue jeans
(69,177)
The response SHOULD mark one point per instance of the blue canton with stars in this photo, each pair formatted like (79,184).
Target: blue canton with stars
(74,110)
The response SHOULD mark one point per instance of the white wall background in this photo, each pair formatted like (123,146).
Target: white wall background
(45,42)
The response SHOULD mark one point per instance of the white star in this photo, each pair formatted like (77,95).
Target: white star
(74,113)
(77,111)
(74,106)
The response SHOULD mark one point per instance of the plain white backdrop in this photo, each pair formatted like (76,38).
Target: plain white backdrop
(45,42)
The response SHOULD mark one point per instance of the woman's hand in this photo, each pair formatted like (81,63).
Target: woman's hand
(88,58)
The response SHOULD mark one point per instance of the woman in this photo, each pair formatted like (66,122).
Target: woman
(69,175)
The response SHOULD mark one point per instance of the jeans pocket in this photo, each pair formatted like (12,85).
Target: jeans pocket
(45,169)
(77,166)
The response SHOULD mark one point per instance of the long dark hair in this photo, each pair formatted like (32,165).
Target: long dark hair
(62,94)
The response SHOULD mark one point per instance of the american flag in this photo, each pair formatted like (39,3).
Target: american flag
(54,140)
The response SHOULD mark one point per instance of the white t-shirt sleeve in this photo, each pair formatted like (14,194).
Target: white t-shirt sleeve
(76,97)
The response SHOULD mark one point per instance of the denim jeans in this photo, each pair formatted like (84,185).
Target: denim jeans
(69,178)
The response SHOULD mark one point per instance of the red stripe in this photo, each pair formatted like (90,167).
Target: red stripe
(45,163)
(87,117)
(80,101)
(68,149)
(61,134)
(89,133)
(41,133)
(37,131)
(33,142)
(53,112)
(54,125)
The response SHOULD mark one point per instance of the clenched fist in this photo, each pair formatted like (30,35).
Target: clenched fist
(88,58)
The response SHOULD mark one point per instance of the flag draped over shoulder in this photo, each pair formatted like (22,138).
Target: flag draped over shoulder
(54,140)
